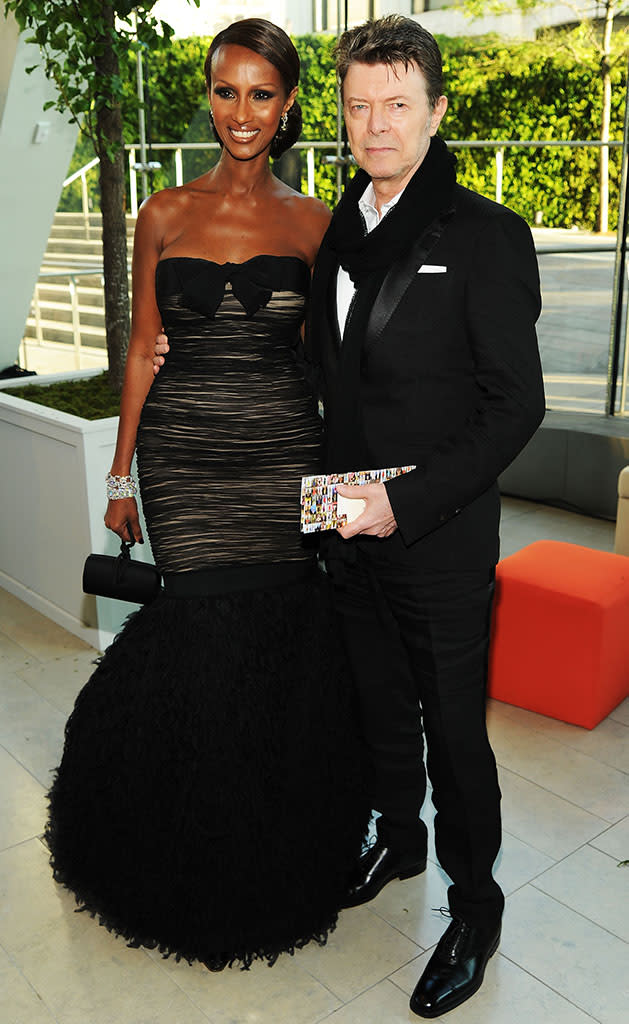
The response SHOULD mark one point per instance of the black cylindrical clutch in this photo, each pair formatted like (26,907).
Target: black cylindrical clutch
(121,577)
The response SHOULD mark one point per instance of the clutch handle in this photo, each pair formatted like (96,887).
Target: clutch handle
(124,557)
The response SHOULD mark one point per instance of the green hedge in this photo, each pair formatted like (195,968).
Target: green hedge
(496,90)
(532,91)
(177,112)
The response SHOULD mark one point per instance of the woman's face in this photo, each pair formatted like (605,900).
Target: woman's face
(248,98)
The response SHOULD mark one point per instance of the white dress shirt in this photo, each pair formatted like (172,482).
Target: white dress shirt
(344,285)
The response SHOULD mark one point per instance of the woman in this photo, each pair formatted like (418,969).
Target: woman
(209,798)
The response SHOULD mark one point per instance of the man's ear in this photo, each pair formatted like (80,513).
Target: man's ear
(438,111)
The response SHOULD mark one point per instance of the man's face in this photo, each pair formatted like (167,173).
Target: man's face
(389,121)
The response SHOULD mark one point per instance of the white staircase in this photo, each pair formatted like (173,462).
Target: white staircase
(65,329)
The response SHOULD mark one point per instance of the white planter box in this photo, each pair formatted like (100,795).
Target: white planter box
(52,502)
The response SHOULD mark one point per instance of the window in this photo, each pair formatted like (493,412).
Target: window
(352,12)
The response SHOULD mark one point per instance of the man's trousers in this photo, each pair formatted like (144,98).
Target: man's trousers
(417,642)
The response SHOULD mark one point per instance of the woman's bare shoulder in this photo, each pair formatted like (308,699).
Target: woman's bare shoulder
(165,202)
(314,209)
(309,218)
(166,214)
(308,205)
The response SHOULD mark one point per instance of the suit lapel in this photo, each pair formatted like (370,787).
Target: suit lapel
(399,278)
(331,311)
(322,320)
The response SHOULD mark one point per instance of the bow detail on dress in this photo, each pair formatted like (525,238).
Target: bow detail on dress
(203,292)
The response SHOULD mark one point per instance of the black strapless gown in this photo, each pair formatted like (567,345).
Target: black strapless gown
(210,799)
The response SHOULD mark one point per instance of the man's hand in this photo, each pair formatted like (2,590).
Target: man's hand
(377,520)
(161,348)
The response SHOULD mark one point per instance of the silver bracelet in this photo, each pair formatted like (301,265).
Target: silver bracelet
(120,487)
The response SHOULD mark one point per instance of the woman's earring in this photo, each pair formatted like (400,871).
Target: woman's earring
(283,121)
(210,116)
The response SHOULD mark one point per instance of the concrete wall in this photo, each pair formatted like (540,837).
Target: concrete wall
(573,461)
(31,175)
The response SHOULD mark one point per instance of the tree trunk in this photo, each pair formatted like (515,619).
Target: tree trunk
(603,186)
(113,198)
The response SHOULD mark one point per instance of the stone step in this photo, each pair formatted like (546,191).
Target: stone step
(71,249)
(61,262)
(78,230)
(76,218)
(94,219)
(79,246)
(87,283)
(54,331)
(75,231)
(51,293)
(61,313)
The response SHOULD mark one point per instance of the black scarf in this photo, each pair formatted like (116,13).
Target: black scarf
(367,258)
(428,192)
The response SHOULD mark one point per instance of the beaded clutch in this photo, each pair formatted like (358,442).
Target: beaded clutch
(121,577)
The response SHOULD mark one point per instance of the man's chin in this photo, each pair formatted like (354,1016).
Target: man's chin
(379,161)
(380,172)
(380,166)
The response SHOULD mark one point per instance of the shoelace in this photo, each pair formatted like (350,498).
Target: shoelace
(368,844)
(455,940)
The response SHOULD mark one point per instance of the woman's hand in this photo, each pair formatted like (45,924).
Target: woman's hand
(122,517)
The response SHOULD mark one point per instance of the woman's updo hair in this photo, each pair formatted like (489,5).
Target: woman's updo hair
(272,43)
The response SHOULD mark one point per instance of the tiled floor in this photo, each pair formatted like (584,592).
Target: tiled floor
(564,956)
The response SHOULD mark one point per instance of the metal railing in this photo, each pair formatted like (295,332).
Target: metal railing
(76,346)
(499,146)
(570,391)
(85,200)
(181,147)
(312,150)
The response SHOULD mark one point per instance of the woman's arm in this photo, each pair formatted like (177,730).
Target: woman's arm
(122,513)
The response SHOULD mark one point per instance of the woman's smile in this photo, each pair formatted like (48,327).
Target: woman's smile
(243,134)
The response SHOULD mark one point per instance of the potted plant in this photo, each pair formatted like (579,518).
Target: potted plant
(53,465)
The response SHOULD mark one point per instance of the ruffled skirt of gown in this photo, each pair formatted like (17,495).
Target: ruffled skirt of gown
(210,798)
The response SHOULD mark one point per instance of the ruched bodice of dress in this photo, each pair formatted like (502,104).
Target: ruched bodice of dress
(229,425)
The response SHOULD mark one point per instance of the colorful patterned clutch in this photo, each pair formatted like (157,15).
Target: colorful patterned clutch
(323,509)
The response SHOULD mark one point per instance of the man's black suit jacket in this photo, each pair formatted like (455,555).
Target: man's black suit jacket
(450,379)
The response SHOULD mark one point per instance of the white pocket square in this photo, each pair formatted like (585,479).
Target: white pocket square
(431,268)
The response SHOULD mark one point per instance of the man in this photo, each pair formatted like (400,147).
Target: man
(424,301)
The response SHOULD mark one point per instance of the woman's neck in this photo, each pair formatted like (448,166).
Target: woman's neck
(241,177)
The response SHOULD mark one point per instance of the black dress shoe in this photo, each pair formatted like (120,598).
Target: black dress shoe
(455,970)
(379,865)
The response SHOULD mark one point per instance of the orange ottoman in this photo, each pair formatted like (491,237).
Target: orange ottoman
(560,633)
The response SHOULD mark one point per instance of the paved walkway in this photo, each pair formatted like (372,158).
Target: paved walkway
(574,328)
